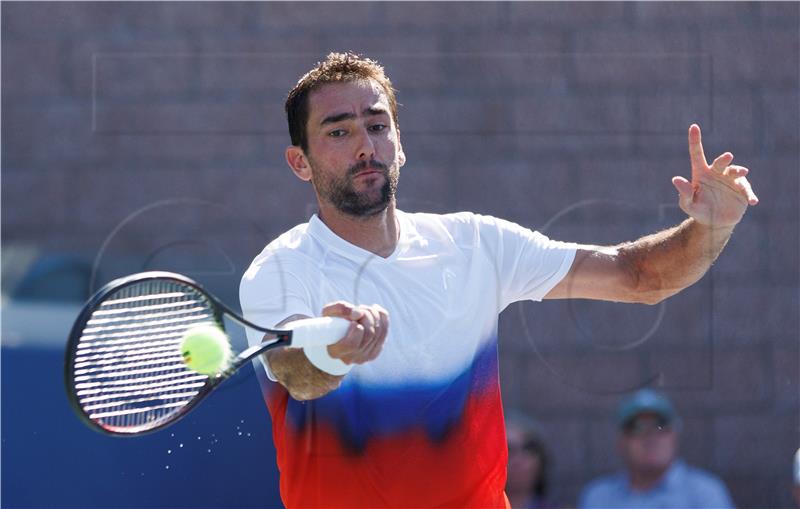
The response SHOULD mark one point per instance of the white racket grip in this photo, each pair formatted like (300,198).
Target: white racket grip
(314,335)
(321,331)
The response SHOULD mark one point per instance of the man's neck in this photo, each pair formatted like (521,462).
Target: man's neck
(377,234)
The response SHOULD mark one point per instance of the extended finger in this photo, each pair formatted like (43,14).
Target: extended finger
(745,186)
(735,171)
(696,154)
(685,193)
(684,187)
(722,162)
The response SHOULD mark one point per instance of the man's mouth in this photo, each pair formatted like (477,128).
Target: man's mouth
(367,172)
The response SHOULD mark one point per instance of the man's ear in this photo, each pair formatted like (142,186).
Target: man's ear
(401,156)
(298,162)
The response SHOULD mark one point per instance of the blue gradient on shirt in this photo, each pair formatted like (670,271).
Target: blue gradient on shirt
(359,413)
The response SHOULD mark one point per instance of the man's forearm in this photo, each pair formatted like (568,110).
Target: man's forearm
(294,371)
(301,378)
(664,263)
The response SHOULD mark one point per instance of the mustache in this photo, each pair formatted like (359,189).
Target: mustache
(363,165)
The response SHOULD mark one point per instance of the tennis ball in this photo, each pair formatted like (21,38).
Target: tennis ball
(205,349)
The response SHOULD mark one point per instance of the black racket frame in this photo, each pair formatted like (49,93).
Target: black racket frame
(282,338)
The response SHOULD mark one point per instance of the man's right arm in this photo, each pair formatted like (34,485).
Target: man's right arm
(302,379)
(362,343)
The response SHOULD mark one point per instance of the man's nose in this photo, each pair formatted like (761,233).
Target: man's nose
(366,147)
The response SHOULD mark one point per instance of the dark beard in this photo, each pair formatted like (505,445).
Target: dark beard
(342,195)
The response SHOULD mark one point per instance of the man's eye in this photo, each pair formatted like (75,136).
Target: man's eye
(377,128)
(337,133)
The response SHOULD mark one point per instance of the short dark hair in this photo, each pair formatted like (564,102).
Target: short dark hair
(337,68)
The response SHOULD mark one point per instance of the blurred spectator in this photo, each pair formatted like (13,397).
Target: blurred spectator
(653,476)
(796,477)
(528,465)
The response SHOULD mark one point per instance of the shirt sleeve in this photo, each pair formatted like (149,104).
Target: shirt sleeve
(529,264)
(269,293)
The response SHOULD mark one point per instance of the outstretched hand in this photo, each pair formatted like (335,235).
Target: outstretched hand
(718,195)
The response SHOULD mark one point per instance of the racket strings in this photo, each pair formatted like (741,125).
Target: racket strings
(102,394)
(128,369)
(109,355)
(94,340)
(151,320)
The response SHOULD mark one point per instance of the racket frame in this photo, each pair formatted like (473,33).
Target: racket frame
(282,338)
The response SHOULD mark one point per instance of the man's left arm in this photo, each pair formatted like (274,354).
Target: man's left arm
(657,266)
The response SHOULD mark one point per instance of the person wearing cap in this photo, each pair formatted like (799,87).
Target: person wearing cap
(654,476)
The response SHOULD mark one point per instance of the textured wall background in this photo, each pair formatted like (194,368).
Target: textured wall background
(151,136)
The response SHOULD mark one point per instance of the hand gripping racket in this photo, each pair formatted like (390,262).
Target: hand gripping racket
(124,371)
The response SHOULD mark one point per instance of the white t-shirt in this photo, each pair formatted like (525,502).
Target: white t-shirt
(444,286)
(422,424)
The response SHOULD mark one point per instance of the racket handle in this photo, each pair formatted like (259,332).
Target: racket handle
(321,331)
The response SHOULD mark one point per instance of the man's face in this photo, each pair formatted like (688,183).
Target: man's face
(353,147)
(648,444)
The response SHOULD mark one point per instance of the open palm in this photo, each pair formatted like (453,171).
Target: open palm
(718,195)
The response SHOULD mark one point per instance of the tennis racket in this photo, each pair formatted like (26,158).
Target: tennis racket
(123,369)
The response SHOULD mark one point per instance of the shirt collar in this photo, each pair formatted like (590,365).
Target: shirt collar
(328,238)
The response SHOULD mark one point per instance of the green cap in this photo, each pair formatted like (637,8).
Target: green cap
(645,401)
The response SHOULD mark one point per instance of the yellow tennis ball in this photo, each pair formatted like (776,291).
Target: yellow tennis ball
(206,349)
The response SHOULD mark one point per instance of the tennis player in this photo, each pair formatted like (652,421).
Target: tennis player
(405,410)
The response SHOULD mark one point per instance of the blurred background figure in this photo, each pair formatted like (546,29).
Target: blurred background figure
(654,476)
(529,465)
(796,478)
